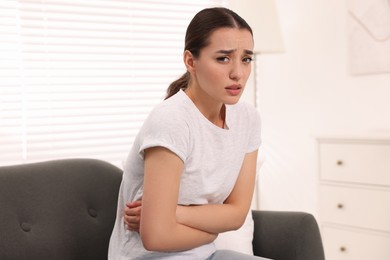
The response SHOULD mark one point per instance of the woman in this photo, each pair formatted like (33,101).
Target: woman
(190,174)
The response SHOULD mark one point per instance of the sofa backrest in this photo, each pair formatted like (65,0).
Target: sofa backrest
(58,210)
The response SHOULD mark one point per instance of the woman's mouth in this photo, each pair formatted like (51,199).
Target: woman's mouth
(234,90)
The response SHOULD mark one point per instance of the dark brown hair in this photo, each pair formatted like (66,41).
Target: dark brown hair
(198,33)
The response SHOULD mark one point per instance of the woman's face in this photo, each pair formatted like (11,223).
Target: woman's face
(223,67)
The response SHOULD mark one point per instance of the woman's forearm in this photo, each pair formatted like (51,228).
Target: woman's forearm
(177,237)
(213,218)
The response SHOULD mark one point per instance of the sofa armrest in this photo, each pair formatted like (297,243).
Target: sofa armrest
(283,235)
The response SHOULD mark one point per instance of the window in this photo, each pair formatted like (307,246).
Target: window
(78,77)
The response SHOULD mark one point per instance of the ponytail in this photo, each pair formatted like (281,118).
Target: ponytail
(181,83)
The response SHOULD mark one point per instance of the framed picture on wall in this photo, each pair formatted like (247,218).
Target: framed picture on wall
(369,36)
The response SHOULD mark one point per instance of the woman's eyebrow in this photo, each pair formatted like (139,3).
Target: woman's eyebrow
(249,52)
(226,51)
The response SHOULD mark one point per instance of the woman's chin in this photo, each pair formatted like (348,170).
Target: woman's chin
(232,100)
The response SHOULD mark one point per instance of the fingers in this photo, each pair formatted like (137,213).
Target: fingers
(132,216)
(133,209)
(132,222)
(134,204)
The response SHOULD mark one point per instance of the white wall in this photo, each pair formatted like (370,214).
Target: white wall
(307,92)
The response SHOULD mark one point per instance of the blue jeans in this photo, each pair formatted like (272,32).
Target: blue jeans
(232,255)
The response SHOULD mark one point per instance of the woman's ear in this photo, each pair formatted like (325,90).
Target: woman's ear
(189,61)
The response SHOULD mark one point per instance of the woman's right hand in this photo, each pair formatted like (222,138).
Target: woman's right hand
(132,215)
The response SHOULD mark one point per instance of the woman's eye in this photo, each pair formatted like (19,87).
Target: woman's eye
(248,60)
(223,59)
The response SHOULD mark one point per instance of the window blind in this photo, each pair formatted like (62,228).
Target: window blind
(78,77)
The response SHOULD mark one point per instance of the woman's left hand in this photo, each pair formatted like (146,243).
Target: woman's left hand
(132,215)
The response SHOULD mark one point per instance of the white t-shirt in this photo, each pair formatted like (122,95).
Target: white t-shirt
(212,159)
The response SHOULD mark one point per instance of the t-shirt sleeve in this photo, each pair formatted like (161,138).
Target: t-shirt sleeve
(165,128)
(254,132)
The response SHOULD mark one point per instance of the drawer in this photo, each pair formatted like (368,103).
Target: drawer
(355,162)
(365,208)
(340,244)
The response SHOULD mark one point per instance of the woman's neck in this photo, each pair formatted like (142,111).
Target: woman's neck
(213,111)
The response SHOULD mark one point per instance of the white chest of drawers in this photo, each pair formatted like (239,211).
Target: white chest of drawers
(355,198)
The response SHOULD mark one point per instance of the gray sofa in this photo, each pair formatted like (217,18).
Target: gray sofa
(65,210)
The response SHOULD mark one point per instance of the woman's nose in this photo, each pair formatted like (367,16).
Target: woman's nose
(237,71)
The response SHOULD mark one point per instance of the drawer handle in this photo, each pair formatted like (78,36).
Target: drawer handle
(343,249)
(339,162)
(340,206)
